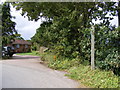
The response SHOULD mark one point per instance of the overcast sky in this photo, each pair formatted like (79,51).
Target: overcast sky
(27,29)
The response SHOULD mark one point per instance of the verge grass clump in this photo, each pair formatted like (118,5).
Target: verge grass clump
(82,72)
(58,63)
(34,53)
(93,78)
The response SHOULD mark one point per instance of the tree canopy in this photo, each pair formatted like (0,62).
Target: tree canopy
(83,10)
(0,28)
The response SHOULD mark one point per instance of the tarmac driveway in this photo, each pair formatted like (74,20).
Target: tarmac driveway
(28,72)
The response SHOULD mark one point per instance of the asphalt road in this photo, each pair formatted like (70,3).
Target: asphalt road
(29,72)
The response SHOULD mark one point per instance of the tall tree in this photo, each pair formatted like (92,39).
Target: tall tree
(0,29)
(8,26)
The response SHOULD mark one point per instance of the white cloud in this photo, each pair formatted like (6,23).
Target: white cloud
(24,27)
(115,21)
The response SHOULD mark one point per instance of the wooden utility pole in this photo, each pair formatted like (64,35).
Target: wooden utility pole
(92,49)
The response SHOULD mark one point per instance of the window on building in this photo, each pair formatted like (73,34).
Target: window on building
(26,46)
(17,46)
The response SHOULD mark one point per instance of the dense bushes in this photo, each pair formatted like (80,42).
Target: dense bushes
(65,43)
(67,34)
(107,46)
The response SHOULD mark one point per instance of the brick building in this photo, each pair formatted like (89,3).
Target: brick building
(21,46)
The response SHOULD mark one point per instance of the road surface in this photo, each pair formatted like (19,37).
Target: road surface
(28,72)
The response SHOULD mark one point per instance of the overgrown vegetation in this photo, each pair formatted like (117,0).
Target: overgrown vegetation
(68,35)
(94,78)
(106,46)
(82,72)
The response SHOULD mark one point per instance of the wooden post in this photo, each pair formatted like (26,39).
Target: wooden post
(92,49)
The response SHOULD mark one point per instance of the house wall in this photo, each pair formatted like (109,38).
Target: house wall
(22,48)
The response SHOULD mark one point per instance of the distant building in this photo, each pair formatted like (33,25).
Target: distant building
(21,46)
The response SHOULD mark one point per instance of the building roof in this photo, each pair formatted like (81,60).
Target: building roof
(21,42)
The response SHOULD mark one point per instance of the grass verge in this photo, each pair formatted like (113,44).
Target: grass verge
(34,53)
(91,78)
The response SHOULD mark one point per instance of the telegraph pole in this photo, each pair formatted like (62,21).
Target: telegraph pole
(92,48)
